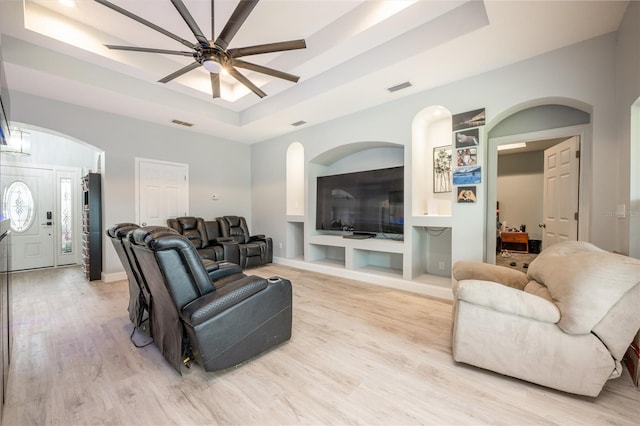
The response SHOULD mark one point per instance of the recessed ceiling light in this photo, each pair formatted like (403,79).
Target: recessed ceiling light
(68,3)
(512,146)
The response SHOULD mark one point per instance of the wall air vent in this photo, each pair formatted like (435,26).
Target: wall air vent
(298,123)
(399,87)
(182,123)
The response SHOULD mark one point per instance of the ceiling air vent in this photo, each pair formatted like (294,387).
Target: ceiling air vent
(399,87)
(182,123)
(298,123)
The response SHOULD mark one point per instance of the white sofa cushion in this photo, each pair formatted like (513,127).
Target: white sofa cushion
(584,281)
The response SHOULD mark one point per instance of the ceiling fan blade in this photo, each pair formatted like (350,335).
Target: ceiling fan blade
(267,48)
(178,73)
(145,22)
(149,50)
(215,85)
(193,25)
(213,22)
(265,70)
(234,23)
(244,80)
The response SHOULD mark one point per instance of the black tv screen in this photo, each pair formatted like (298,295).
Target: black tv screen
(370,201)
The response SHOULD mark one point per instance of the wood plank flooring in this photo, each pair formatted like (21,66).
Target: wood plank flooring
(359,354)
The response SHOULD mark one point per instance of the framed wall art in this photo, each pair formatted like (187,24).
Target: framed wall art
(442,156)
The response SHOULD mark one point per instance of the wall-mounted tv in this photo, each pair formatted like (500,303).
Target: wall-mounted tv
(371,201)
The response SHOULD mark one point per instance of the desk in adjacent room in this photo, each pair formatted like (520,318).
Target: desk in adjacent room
(515,241)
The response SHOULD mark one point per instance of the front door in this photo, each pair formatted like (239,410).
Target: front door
(560,205)
(28,203)
(163,190)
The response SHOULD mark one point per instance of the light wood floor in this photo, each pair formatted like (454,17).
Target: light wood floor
(360,354)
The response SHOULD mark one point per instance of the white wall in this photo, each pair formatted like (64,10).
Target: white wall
(49,149)
(215,166)
(583,72)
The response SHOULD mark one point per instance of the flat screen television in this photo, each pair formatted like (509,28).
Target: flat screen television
(371,201)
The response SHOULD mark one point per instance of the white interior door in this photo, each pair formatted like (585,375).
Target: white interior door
(163,190)
(28,202)
(561,179)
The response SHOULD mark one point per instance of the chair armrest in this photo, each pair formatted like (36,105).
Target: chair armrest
(257,237)
(211,304)
(224,269)
(220,240)
(470,270)
(505,299)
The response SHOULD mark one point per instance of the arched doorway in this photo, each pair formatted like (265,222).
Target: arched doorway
(537,126)
(41,194)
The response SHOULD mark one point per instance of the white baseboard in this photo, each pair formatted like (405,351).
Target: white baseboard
(114,276)
(434,290)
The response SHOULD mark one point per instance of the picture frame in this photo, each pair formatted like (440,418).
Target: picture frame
(469,119)
(467,156)
(467,138)
(465,175)
(466,194)
(442,168)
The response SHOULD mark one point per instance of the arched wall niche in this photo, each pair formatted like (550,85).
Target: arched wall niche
(431,128)
(353,149)
(536,120)
(353,157)
(295,179)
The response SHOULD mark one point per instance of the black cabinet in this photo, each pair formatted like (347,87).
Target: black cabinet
(92,226)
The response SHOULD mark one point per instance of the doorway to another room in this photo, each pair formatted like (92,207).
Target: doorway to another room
(41,190)
(537,192)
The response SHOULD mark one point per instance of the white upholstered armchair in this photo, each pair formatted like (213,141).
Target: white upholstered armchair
(565,324)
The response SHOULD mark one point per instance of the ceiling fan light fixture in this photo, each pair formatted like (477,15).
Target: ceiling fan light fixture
(212,66)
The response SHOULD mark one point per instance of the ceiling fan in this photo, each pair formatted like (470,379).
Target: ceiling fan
(213,55)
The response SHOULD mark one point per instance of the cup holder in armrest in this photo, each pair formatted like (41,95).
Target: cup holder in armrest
(274,279)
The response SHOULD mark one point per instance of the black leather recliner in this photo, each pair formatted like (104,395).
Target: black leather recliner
(138,293)
(206,238)
(255,250)
(228,318)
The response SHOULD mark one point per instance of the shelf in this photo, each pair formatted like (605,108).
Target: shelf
(373,244)
(440,221)
(92,226)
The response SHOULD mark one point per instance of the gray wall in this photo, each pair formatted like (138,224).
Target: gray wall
(579,74)
(123,139)
(627,161)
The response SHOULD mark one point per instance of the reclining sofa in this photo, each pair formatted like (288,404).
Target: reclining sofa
(566,324)
(207,311)
(255,250)
(206,238)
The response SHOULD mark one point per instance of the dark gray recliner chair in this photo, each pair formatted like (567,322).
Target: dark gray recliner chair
(207,238)
(228,318)
(138,293)
(255,250)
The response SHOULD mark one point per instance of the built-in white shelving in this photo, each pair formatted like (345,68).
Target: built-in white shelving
(420,262)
